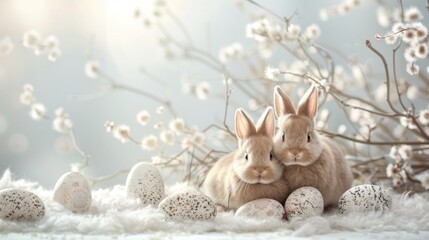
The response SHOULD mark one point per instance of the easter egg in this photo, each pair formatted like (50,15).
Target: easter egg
(188,206)
(20,205)
(304,202)
(73,192)
(364,198)
(145,182)
(261,208)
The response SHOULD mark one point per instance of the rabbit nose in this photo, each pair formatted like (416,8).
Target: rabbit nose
(259,170)
(295,153)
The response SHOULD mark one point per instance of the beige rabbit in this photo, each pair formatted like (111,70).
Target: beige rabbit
(310,159)
(250,172)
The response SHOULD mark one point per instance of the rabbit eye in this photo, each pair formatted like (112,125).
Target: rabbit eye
(246,157)
(309,137)
(271,156)
(283,137)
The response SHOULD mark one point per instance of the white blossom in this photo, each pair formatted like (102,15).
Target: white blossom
(383,17)
(258,30)
(324,14)
(149,142)
(31,39)
(26,98)
(160,109)
(159,125)
(62,124)
(391,170)
(412,68)
(412,14)
(405,152)
(177,125)
(156,160)
(409,36)
(143,117)
(421,50)
(167,136)
(410,54)
(92,68)
(424,117)
(122,132)
(421,31)
(397,28)
(407,122)
(202,90)
(109,126)
(6,46)
(293,31)
(230,52)
(51,42)
(390,38)
(312,31)
(54,54)
(37,111)
(272,73)
(342,129)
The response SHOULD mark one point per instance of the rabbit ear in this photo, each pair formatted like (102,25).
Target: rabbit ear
(244,126)
(265,124)
(282,103)
(308,104)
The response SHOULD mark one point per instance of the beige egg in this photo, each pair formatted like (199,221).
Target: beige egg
(261,208)
(188,206)
(364,198)
(304,202)
(20,205)
(73,192)
(145,182)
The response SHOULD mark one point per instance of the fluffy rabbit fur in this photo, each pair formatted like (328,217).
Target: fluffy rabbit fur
(250,172)
(310,159)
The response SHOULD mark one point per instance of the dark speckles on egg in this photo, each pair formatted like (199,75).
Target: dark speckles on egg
(188,206)
(20,205)
(364,198)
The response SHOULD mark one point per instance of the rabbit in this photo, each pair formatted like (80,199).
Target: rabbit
(250,172)
(310,159)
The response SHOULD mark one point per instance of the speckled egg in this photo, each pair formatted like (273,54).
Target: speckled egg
(188,206)
(73,192)
(364,198)
(304,202)
(145,182)
(261,208)
(20,205)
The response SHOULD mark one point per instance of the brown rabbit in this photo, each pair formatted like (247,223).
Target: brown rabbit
(310,159)
(250,172)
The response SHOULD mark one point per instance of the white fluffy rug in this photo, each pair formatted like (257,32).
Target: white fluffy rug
(113,213)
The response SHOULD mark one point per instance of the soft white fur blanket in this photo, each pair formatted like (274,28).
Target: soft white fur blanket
(113,213)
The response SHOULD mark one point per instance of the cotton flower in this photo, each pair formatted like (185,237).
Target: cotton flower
(405,152)
(177,125)
(51,42)
(26,98)
(390,38)
(230,52)
(62,124)
(92,68)
(167,136)
(421,50)
(412,14)
(143,117)
(391,170)
(31,39)
(272,73)
(160,109)
(202,90)
(149,142)
(412,68)
(410,54)
(54,54)
(409,36)
(407,122)
(37,111)
(109,126)
(421,31)
(6,46)
(312,31)
(424,117)
(122,132)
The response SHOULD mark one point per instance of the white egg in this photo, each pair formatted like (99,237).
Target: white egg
(261,208)
(145,182)
(304,202)
(20,205)
(364,198)
(73,192)
(188,206)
